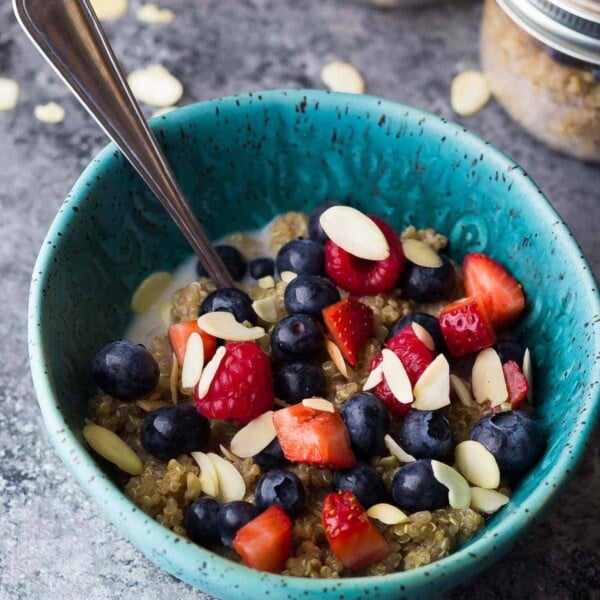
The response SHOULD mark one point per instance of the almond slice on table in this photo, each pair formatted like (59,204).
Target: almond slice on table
(396,450)
(319,404)
(423,335)
(231,482)
(150,13)
(9,93)
(477,464)
(155,86)
(388,514)
(396,377)
(462,390)
(209,372)
(469,93)
(49,113)
(421,254)
(487,379)
(254,437)
(338,359)
(208,474)
(288,276)
(109,9)
(374,379)
(193,361)
(355,233)
(528,372)
(111,447)
(459,492)
(340,76)
(432,390)
(223,325)
(487,501)
(148,292)
(266,309)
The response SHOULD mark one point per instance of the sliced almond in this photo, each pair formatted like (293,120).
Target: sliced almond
(49,113)
(487,379)
(266,283)
(208,474)
(421,254)
(338,359)
(342,77)
(487,501)
(9,93)
(469,93)
(111,447)
(223,325)
(396,450)
(528,372)
(375,378)
(459,492)
(388,514)
(209,372)
(396,377)
(165,314)
(288,276)
(266,309)
(423,335)
(149,291)
(231,483)
(355,233)
(109,9)
(150,13)
(462,390)
(254,437)
(193,361)
(173,378)
(151,405)
(432,390)
(477,464)
(155,86)
(319,404)
(228,454)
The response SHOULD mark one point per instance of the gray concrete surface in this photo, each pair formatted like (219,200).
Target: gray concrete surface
(54,543)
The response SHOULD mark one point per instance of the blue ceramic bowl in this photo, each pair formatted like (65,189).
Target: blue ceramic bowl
(241,161)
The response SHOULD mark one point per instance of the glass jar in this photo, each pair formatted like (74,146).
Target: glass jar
(550,93)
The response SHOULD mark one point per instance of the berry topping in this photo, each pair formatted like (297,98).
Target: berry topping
(315,231)
(309,295)
(297,337)
(429,323)
(368,421)
(426,284)
(201,522)
(363,481)
(361,276)
(230,300)
(425,434)
(271,457)
(232,258)
(125,370)
(414,488)
(299,380)
(301,256)
(261,267)
(466,326)
(280,487)
(350,324)
(231,517)
(242,387)
(180,333)
(516,383)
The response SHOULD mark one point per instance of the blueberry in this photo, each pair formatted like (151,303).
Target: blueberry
(363,481)
(231,517)
(431,324)
(271,457)
(426,434)
(510,350)
(233,260)
(125,370)
(280,487)
(261,267)
(414,488)
(201,522)
(367,421)
(424,284)
(301,256)
(514,438)
(299,380)
(315,231)
(173,430)
(230,300)
(309,295)
(297,337)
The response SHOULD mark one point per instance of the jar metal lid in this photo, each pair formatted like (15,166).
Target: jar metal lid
(569,26)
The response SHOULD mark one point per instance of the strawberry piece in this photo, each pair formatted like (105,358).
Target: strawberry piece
(265,542)
(350,324)
(501,292)
(415,357)
(352,536)
(466,326)
(516,382)
(179,334)
(361,276)
(313,436)
(242,388)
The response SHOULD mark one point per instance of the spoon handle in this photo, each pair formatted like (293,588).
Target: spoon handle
(69,36)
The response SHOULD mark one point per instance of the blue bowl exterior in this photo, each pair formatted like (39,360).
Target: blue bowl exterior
(241,160)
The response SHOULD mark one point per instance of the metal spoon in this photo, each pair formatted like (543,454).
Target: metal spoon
(69,36)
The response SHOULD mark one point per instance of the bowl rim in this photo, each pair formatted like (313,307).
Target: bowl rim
(459,565)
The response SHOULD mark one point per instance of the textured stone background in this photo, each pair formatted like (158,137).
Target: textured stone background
(54,543)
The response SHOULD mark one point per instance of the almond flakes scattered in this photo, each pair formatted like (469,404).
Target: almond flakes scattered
(487,379)
(477,464)
(222,324)
(423,335)
(338,360)
(193,361)
(459,492)
(111,447)
(319,404)
(396,450)
(432,390)
(487,501)
(396,377)
(421,254)
(254,437)
(388,514)
(209,372)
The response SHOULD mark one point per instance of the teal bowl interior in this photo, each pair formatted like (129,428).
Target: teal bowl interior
(241,161)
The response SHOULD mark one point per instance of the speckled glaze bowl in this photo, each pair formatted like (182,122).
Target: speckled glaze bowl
(242,160)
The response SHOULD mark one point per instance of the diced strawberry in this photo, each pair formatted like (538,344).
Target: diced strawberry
(350,324)
(361,276)
(466,326)
(501,292)
(179,334)
(516,383)
(242,388)
(265,542)
(309,435)
(352,536)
